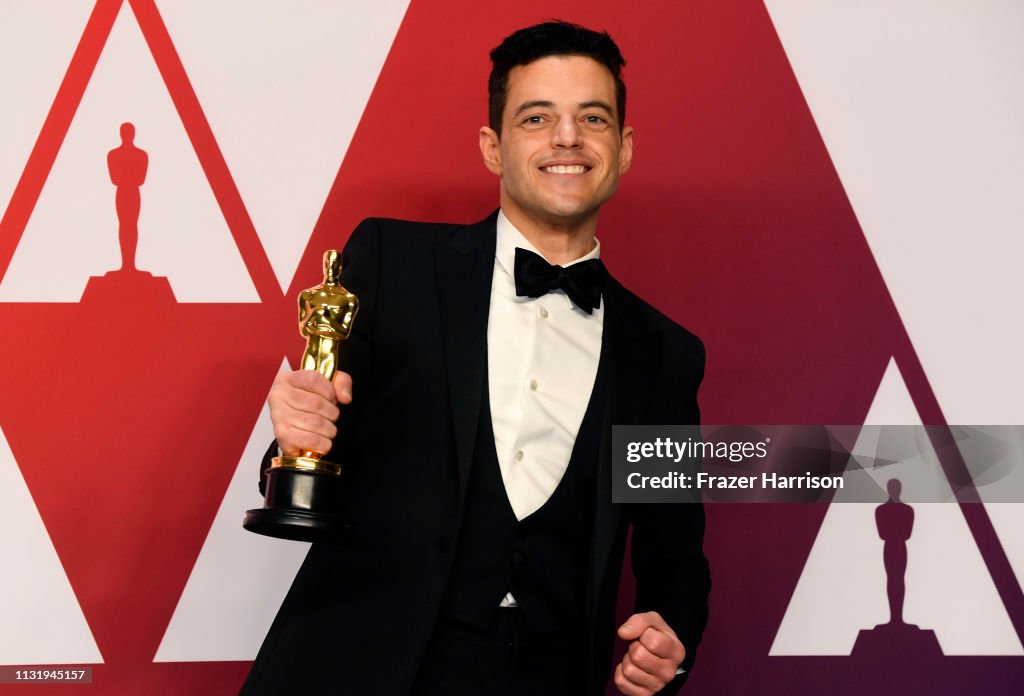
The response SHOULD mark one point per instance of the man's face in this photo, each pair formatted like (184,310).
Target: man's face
(561,149)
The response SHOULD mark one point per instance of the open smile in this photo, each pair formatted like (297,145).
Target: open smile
(566,169)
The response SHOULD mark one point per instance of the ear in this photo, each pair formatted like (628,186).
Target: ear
(490,150)
(626,150)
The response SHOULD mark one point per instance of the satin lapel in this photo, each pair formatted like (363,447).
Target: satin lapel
(464,264)
(634,365)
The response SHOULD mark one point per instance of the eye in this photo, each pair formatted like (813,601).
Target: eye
(533,119)
(595,120)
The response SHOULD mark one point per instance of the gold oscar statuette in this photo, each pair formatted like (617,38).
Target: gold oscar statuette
(302,491)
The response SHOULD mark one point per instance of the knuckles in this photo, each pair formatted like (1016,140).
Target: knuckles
(302,415)
(641,656)
(307,381)
(291,440)
(310,421)
(662,643)
(304,401)
(642,665)
(658,643)
(620,680)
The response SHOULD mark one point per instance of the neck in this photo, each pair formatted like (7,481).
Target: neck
(558,242)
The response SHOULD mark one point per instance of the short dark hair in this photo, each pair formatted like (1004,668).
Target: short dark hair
(551,39)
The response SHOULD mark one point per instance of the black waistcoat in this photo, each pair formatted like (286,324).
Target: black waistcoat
(542,559)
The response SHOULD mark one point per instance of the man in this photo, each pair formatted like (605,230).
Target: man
(480,383)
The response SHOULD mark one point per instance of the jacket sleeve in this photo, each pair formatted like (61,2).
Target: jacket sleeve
(672,576)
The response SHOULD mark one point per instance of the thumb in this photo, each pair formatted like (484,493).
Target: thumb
(634,626)
(343,387)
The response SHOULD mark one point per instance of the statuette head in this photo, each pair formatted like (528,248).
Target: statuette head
(332,265)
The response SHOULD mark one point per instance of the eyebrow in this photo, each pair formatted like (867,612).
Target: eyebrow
(543,104)
(598,104)
(537,103)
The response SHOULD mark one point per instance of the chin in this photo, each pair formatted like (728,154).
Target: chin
(567,209)
(563,215)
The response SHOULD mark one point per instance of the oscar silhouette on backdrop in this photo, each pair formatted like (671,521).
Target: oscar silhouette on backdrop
(895,522)
(127,165)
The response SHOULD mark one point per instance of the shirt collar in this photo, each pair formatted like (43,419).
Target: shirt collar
(509,238)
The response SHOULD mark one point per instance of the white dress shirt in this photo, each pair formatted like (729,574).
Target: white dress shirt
(542,356)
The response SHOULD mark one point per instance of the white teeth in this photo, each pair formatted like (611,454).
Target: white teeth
(562,169)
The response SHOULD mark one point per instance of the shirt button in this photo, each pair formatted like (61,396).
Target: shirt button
(533,384)
(519,455)
(543,313)
(517,556)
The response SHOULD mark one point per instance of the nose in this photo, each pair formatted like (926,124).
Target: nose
(566,133)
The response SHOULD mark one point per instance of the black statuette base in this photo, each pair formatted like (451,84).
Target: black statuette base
(300,506)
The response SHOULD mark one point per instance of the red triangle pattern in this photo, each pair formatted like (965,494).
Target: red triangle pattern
(732,221)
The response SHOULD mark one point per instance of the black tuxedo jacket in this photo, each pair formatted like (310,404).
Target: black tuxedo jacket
(360,613)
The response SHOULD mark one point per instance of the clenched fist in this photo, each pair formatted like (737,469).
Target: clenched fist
(304,409)
(653,656)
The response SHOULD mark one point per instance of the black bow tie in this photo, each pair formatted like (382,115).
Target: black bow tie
(581,281)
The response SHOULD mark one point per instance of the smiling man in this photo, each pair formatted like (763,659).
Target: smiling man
(557,141)
(479,387)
